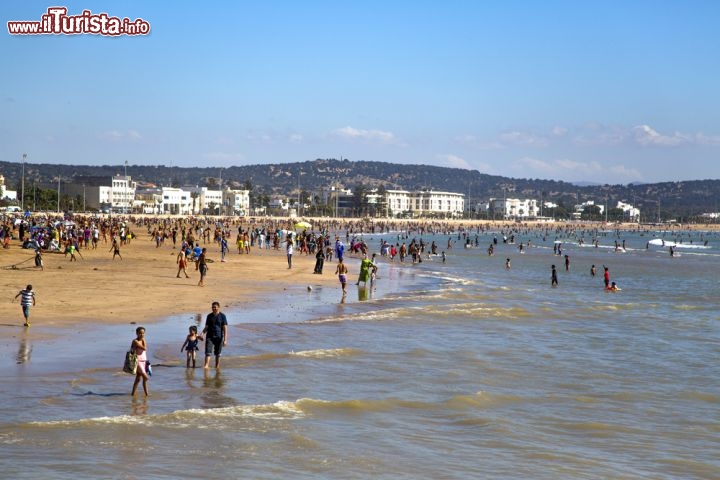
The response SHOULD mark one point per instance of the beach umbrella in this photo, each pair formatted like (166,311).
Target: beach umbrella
(303,224)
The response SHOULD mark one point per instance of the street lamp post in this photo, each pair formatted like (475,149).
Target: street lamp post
(125,193)
(22,187)
(606,208)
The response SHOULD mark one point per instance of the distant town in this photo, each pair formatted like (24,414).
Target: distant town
(120,194)
(345,188)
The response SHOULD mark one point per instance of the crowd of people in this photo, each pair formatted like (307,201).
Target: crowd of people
(327,241)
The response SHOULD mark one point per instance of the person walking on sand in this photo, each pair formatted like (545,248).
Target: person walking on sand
(289,251)
(115,248)
(182,263)
(26,301)
(39,260)
(216,334)
(139,348)
(319,260)
(191,345)
(202,267)
(341,271)
(223,248)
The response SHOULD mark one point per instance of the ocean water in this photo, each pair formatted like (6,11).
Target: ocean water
(455,370)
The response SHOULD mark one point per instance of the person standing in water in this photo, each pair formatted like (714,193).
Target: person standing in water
(139,348)
(191,345)
(341,271)
(606,276)
(365,266)
(216,334)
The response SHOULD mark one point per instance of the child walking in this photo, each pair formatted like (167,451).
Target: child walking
(27,300)
(191,345)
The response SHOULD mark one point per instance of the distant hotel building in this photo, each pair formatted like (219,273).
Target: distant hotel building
(115,194)
(512,208)
(423,203)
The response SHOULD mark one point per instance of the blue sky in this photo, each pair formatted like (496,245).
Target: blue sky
(607,92)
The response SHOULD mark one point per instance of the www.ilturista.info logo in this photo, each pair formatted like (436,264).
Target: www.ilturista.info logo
(57,22)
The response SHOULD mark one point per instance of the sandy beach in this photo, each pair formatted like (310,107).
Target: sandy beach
(143,285)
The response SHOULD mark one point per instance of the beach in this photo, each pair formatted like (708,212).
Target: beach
(143,285)
(455,369)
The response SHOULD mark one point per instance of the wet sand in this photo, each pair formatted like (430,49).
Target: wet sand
(143,286)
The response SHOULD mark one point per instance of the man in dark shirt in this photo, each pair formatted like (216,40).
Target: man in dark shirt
(215,332)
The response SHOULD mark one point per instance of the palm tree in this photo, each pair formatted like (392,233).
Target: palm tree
(194,196)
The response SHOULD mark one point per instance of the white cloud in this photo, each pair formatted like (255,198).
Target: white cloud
(259,137)
(525,139)
(574,170)
(702,139)
(621,171)
(368,135)
(119,135)
(296,138)
(558,131)
(478,143)
(532,164)
(646,136)
(598,135)
(453,161)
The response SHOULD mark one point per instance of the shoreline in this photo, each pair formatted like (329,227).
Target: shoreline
(142,287)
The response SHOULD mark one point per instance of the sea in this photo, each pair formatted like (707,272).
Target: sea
(454,369)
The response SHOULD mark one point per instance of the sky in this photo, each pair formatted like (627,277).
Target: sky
(612,92)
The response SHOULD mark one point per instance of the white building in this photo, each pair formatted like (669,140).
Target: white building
(122,193)
(4,192)
(397,202)
(279,203)
(235,202)
(424,203)
(148,200)
(175,201)
(115,194)
(580,208)
(205,200)
(631,212)
(513,208)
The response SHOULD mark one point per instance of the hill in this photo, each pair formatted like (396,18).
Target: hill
(676,200)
